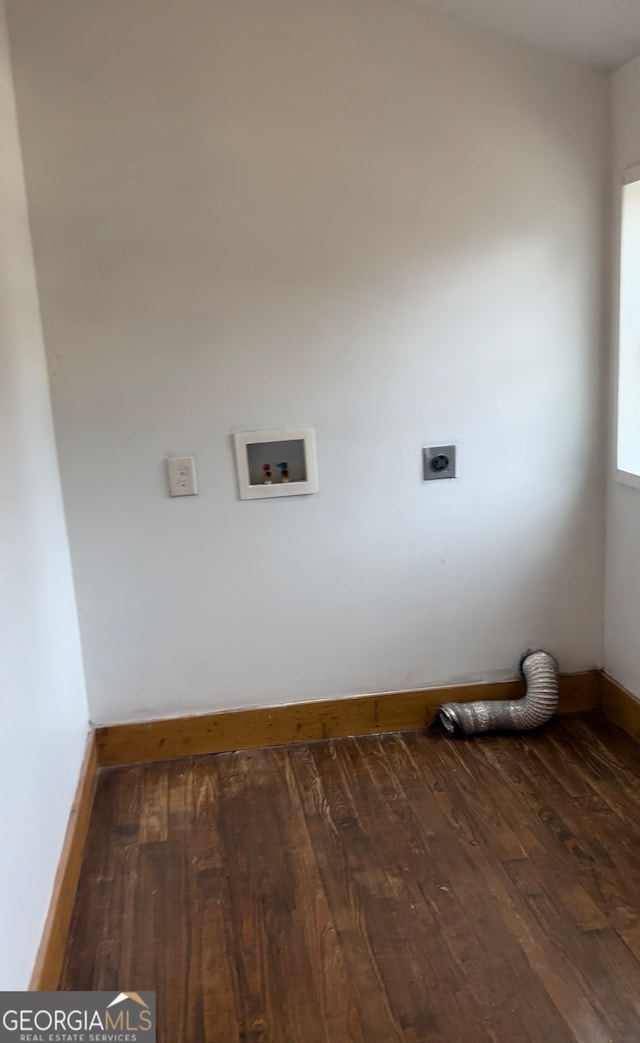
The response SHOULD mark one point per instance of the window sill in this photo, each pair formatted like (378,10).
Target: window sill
(626,478)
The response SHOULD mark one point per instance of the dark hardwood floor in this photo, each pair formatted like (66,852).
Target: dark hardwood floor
(407,887)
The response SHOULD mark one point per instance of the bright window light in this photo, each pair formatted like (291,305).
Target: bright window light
(628,442)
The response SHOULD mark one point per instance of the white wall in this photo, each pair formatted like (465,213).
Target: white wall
(622,602)
(628,376)
(43,712)
(345,213)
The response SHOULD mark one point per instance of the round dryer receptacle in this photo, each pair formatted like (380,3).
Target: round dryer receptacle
(440,462)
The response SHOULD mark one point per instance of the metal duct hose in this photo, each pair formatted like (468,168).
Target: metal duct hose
(540,671)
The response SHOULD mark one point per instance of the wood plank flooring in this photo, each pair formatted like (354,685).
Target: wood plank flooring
(406,887)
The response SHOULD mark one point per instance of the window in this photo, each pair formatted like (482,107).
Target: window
(628,433)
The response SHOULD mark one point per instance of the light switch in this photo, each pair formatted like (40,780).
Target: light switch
(182,475)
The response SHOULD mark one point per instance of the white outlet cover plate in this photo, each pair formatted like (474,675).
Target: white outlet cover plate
(247,491)
(182,475)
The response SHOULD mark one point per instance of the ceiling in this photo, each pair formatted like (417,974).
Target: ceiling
(604,33)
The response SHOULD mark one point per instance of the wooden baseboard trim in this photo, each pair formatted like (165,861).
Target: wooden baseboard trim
(620,706)
(48,965)
(307,721)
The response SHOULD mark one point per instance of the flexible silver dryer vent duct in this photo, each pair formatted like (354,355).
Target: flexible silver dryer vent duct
(540,671)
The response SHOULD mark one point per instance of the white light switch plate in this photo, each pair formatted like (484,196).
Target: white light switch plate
(182,475)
